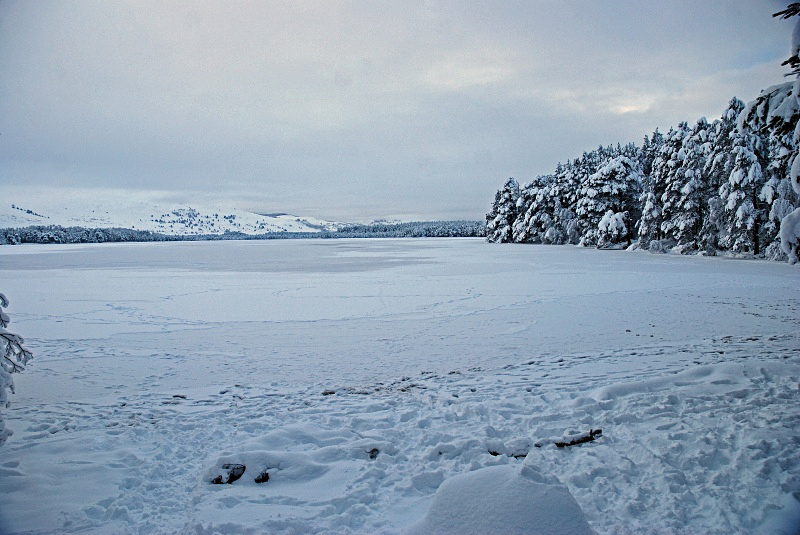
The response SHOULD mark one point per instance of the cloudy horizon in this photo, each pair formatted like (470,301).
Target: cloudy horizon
(355,110)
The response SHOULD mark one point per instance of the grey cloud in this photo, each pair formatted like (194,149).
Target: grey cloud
(357,109)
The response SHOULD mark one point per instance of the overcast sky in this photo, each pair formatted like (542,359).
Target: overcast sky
(356,110)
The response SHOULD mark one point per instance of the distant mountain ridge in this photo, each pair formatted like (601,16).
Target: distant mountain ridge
(163,218)
(119,219)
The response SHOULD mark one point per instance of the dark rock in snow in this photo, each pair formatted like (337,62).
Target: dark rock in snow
(232,473)
(373,453)
(263,477)
(328,392)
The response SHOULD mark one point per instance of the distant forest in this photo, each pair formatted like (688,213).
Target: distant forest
(729,186)
(420,229)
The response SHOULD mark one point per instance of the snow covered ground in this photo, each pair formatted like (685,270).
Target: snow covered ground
(363,375)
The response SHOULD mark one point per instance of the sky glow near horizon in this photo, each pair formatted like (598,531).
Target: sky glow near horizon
(355,110)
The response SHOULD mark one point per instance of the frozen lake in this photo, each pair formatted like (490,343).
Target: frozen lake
(361,311)
(214,344)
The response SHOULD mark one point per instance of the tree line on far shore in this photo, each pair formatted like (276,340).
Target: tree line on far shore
(418,229)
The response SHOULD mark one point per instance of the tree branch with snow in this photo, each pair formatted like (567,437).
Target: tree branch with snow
(790,224)
(14,358)
(792,10)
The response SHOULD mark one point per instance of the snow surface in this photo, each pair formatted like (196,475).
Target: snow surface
(377,381)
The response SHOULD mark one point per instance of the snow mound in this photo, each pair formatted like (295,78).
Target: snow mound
(504,500)
(299,470)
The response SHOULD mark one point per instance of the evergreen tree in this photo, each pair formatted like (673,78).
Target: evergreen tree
(564,195)
(743,208)
(535,210)
(583,168)
(648,226)
(612,230)
(670,174)
(717,170)
(500,220)
(774,115)
(651,204)
(718,163)
(615,186)
(525,212)
(648,229)
(790,224)
(691,202)
(649,151)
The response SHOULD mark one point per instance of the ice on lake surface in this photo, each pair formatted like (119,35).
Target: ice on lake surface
(157,363)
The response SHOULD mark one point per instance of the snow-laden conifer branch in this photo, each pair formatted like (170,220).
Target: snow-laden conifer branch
(790,11)
(14,358)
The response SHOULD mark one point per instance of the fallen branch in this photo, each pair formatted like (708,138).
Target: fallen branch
(571,440)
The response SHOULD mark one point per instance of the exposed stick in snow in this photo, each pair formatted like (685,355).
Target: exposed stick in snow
(580,439)
(571,440)
(494,453)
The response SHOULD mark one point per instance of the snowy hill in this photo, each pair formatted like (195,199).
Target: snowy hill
(166,218)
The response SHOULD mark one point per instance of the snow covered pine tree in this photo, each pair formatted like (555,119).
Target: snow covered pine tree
(790,224)
(14,358)
(500,221)
(718,168)
(616,187)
